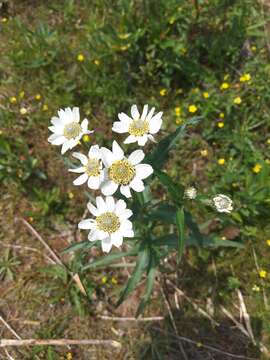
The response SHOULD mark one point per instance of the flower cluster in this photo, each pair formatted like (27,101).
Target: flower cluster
(108,170)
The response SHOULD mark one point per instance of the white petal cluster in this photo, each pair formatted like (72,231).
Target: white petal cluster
(124,172)
(110,223)
(223,203)
(140,127)
(191,193)
(91,168)
(67,130)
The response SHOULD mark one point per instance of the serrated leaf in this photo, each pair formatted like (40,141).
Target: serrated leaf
(180,222)
(159,155)
(141,265)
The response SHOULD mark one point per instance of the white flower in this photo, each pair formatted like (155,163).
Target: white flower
(223,203)
(124,172)
(140,127)
(191,193)
(111,222)
(67,130)
(91,168)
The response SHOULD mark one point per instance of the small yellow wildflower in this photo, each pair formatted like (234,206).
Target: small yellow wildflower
(220,124)
(97,62)
(69,356)
(21,94)
(237,100)
(206,95)
(163,92)
(222,115)
(221,161)
(4,20)
(224,86)
(192,108)
(223,238)
(70,195)
(204,152)
(268,242)
(23,111)
(256,288)
(123,36)
(38,97)
(268,141)
(86,138)
(199,344)
(177,111)
(114,281)
(80,57)
(13,99)
(254,48)
(30,219)
(262,274)
(178,121)
(257,168)
(104,279)
(45,107)
(172,21)
(245,77)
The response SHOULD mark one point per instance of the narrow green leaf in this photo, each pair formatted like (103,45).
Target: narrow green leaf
(142,262)
(175,190)
(164,212)
(107,260)
(159,155)
(83,245)
(180,222)
(149,284)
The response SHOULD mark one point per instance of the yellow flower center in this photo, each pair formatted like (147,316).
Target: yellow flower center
(121,172)
(93,167)
(138,127)
(108,222)
(72,130)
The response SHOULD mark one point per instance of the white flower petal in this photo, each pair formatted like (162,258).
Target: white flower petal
(151,137)
(130,139)
(150,114)
(57,122)
(84,125)
(101,205)
(143,171)
(142,140)
(65,147)
(117,239)
(93,182)
(57,139)
(107,157)
(137,184)
(86,224)
(109,188)
(134,112)
(125,190)
(76,114)
(80,180)
(155,123)
(93,210)
(117,151)
(136,157)
(128,233)
(120,127)
(78,170)
(124,118)
(110,203)
(120,206)
(83,158)
(126,214)
(126,225)
(94,152)
(56,130)
(106,245)
(144,113)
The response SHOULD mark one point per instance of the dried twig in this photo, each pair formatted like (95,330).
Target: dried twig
(246,316)
(173,322)
(195,306)
(142,319)
(183,338)
(58,342)
(9,328)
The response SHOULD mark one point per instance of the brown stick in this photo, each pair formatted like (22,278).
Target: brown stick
(116,318)
(58,342)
